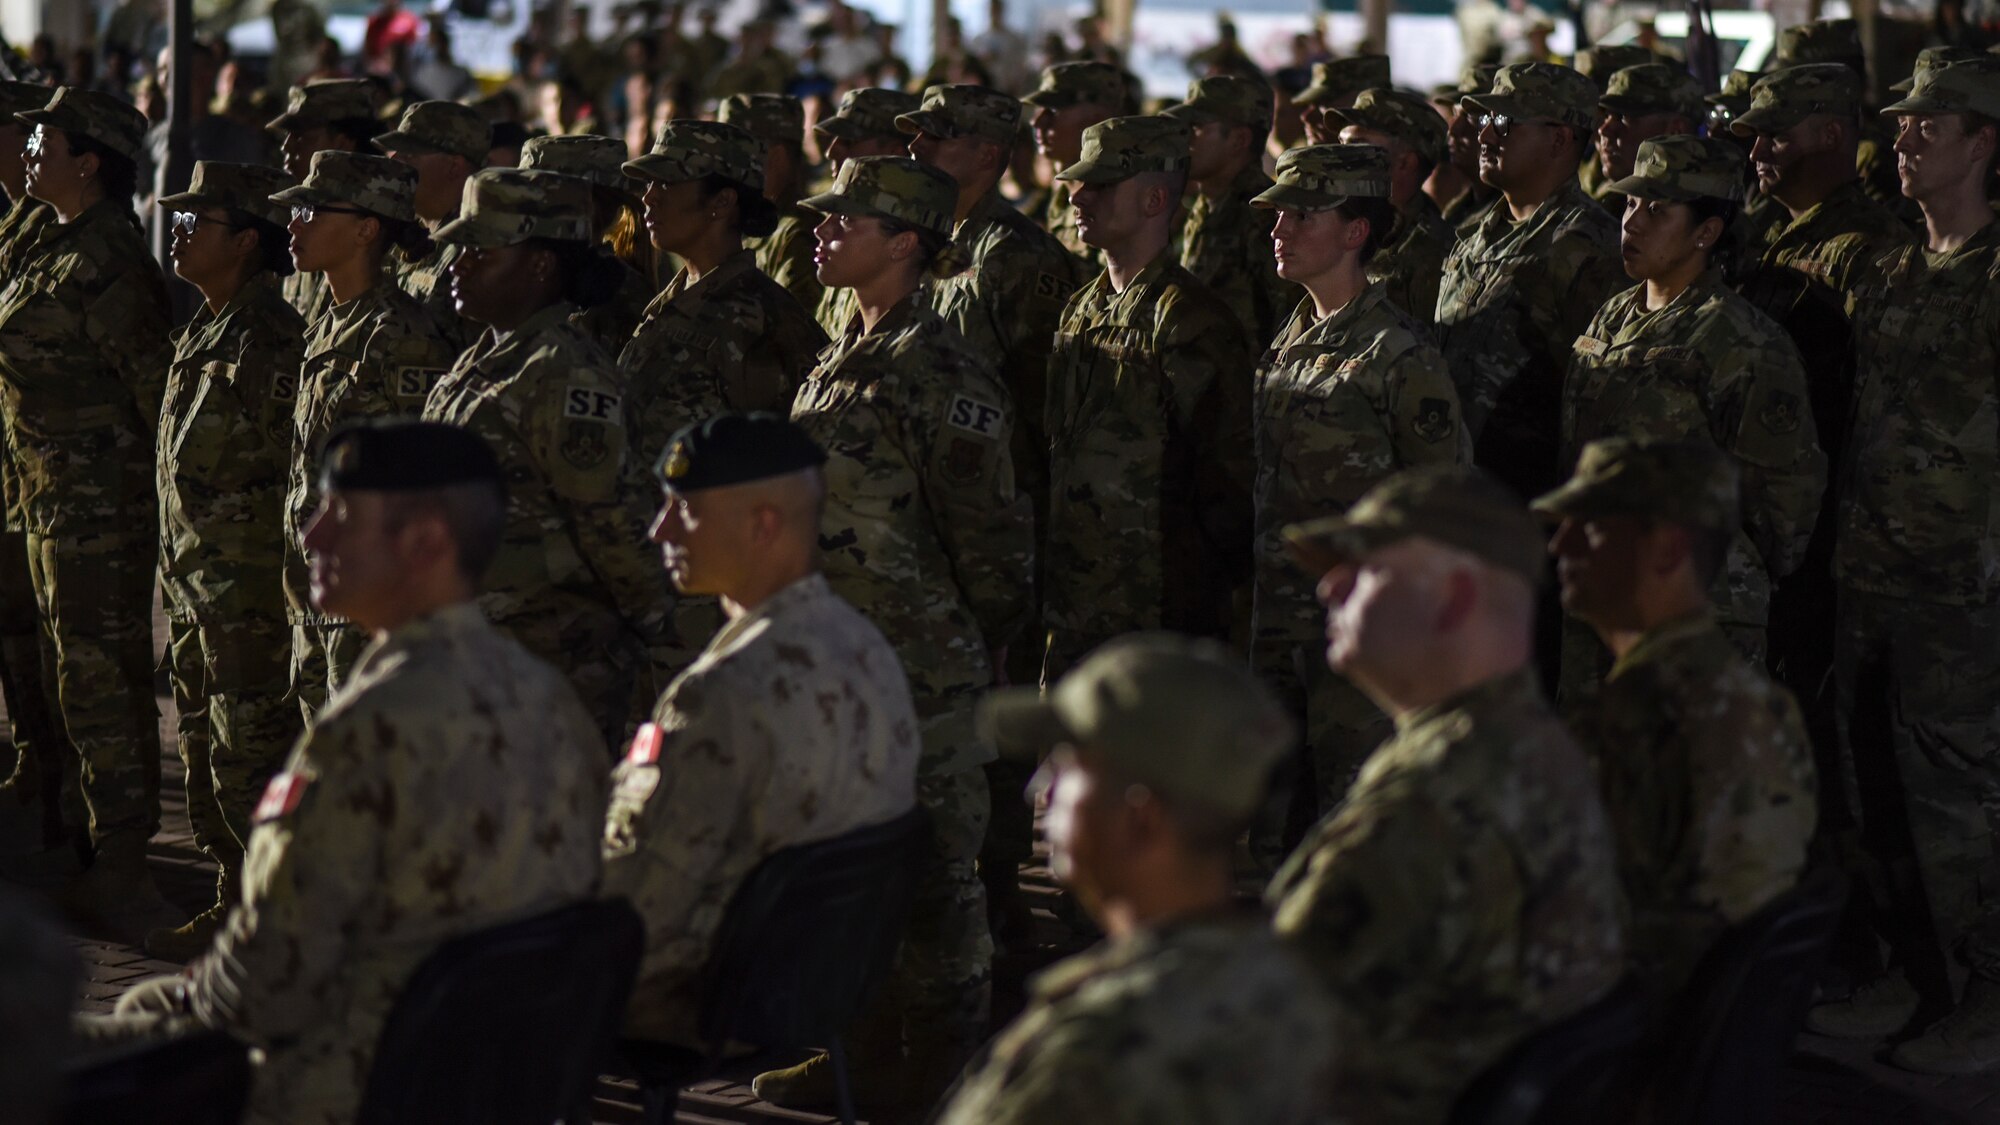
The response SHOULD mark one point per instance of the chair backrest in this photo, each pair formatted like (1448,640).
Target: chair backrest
(1732,1030)
(198,1079)
(1564,1073)
(508,1025)
(807,934)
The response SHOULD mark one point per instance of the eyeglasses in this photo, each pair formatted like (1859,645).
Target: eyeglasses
(187,222)
(304,212)
(1503,124)
(38,142)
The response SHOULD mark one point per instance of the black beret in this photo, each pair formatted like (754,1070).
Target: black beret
(736,449)
(404,456)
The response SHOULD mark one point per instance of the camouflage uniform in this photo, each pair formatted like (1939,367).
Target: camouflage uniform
(83,361)
(453,784)
(1461,212)
(868,113)
(1225,242)
(1410,262)
(312,106)
(925,532)
(1838,41)
(1340,79)
(225,444)
(1649,89)
(1149,447)
(1068,84)
(1703,760)
(1342,403)
(601,160)
(1516,295)
(449,129)
(786,254)
(377,355)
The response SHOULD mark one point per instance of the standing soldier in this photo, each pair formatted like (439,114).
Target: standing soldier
(1918,657)
(617,223)
(1335,85)
(864,125)
(83,359)
(337,114)
(786,254)
(1837,42)
(1350,393)
(926,534)
(1225,242)
(1148,416)
(375,352)
(1071,97)
(446,143)
(1411,258)
(1640,103)
(573,581)
(1525,278)
(225,447)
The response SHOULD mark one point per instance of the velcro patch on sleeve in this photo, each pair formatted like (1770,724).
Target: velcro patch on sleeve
(592,405)
(645,749)
(975,417)
(281,796)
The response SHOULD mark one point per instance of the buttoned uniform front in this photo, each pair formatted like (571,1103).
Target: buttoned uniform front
(794,725)
(453,784)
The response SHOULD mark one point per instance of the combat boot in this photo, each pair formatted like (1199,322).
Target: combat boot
(191,939)
(1965,1042)
(1878,1009)
(117,893)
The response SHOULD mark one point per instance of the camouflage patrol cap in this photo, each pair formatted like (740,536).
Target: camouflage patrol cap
(1601,62)
(1403,115)
(375,184)
(1457,506)
(731,448)
(869,112)
(1541,90)
(1786,97)
(240,187)
(1931,58)
(1821,41)
(1178,715)
(1322,177)
(93,114)
(1653,88)
(600,160)
(19,97)
(965,111)
(1473,78)
(1119,148)
(1079,83)
(1229,98)
(1684,482)
(1684,167)
(891,187)
(446,128)
(1960,87)
(330,99)
(400,455)
(1335,77)
(509,206)
(690,150)
(775,119)
(1735,95)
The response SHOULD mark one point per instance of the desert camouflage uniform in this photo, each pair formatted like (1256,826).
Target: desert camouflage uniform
(1464,896)
(1200,1020)
(795,725)
(454,783)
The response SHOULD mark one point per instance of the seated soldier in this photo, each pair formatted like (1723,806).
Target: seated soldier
(1158,751)
(1703,760)
(794,724)
(1465,894)
(451,784)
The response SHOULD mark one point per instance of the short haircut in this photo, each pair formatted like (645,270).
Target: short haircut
(475,513)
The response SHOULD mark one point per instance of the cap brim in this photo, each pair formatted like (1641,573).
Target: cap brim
(1643,188)
(654,167)
(187,199)
(1573,498)
(1295,199)
(1509,105)
(925,121)
(1903,87)
(1050,99)
(1317,545)
(1917,103)
(301,194)
(467,232)
(1020,722)
(1194,113)
(1769,119)
(1312,95)
(1086,172)
(406,142)
(832,203)
(838,128)
(1626,104)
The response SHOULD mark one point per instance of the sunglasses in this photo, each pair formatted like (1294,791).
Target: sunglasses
(305,212)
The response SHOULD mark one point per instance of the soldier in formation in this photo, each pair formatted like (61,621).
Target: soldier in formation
(1409,263)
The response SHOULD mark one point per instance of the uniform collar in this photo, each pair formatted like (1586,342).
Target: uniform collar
(1658,641)
(1493,695)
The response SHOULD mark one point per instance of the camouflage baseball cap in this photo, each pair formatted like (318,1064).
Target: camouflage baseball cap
(446,128)
(1684,167)
(600,160)
(93,114)
(689,150)
(868,112)
(1473,78)
(375,184)
(891,187)
(1322,177)
(965,111)
(1457,506)
(1344,76)
(240,187)
(1401,114)
(1685,482)
(1122,147)
(1178,715)
(1786,97)
(1960,87)
(1228,98)
(19,97)
(1821,41)
(1079,83)
(1599,63)
(775,119)
(331,99)
(508,206)
(1735,95)
(1653,88)
(1931,58)
(1541,90)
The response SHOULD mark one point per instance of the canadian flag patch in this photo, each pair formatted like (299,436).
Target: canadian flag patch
(646,745)
(281,796)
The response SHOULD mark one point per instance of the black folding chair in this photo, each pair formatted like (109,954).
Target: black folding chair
(805,937)
(198,1079)
(507,1026)
(1564,1074)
